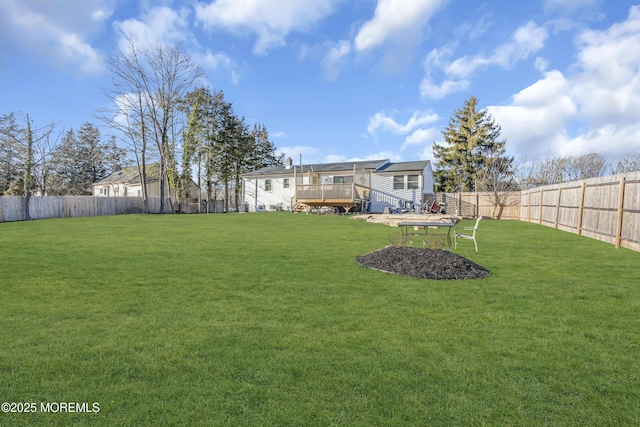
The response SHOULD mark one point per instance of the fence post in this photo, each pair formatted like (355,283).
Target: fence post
(540,210)
(581,208)
(558,207)
(620,211)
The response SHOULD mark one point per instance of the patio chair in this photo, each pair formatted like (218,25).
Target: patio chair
(434,208)
(460,233)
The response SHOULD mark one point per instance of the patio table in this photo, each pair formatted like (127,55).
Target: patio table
(421,228)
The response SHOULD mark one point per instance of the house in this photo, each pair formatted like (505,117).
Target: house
(126,182)
(361,186)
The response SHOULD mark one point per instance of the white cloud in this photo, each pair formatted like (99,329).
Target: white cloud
(168,27)
(430,90)
(55,29)
(608,85)
(270,20)
(426,153)
(161,25)
(278,135)
(541,92)
(216,61)
(527,39)
(335,58)
(101,15)
(609,140)
(307,153)
(382,122)
(437,59)
(535,122)
(465,66)
(541,64)
(422,137)
(601,95)
(395,20)
(594,108)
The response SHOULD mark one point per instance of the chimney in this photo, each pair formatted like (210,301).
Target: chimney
(287,163)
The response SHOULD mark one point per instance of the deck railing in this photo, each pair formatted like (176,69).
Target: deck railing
(322,192)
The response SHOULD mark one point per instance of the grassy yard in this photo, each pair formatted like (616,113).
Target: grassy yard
(266,319)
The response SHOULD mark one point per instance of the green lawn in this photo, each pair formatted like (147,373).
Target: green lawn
(266,319)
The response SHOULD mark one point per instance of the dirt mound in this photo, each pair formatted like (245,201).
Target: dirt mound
(422,263)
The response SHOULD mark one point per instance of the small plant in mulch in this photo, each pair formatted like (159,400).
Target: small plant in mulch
(435,241)
(423,263)
(396,240)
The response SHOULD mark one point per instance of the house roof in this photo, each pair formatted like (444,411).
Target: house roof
(404,166)
(130,175)
(318,167)
(376,165)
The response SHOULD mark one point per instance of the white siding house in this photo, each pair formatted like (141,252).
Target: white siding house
(126,182)
(273,192)
(362,186)
(396,183)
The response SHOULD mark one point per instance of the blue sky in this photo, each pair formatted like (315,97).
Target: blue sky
(339,80)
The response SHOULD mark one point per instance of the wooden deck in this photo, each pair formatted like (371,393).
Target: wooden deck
(347,196)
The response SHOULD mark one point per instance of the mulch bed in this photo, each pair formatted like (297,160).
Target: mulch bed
(422,263)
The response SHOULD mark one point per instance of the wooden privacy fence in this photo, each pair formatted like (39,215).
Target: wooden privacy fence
(13,208)
(474,204)
(605,208)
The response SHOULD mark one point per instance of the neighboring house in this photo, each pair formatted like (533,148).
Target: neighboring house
(126,182)
(359,186)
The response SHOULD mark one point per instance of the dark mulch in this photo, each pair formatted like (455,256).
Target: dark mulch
(423,263)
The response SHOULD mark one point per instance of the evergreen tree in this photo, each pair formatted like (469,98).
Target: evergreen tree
(24,155)
(11,155)
(471,144)
(82,159)
(219,141)
(264,150)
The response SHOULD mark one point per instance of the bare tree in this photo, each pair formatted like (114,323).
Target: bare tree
(147,87)
(562,169)
(628,164)
(585,166)
(498,181)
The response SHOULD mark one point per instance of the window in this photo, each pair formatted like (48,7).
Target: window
(285,184)
(342,179)
(398,182)
(412,182)
(267,185)
(116,191)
